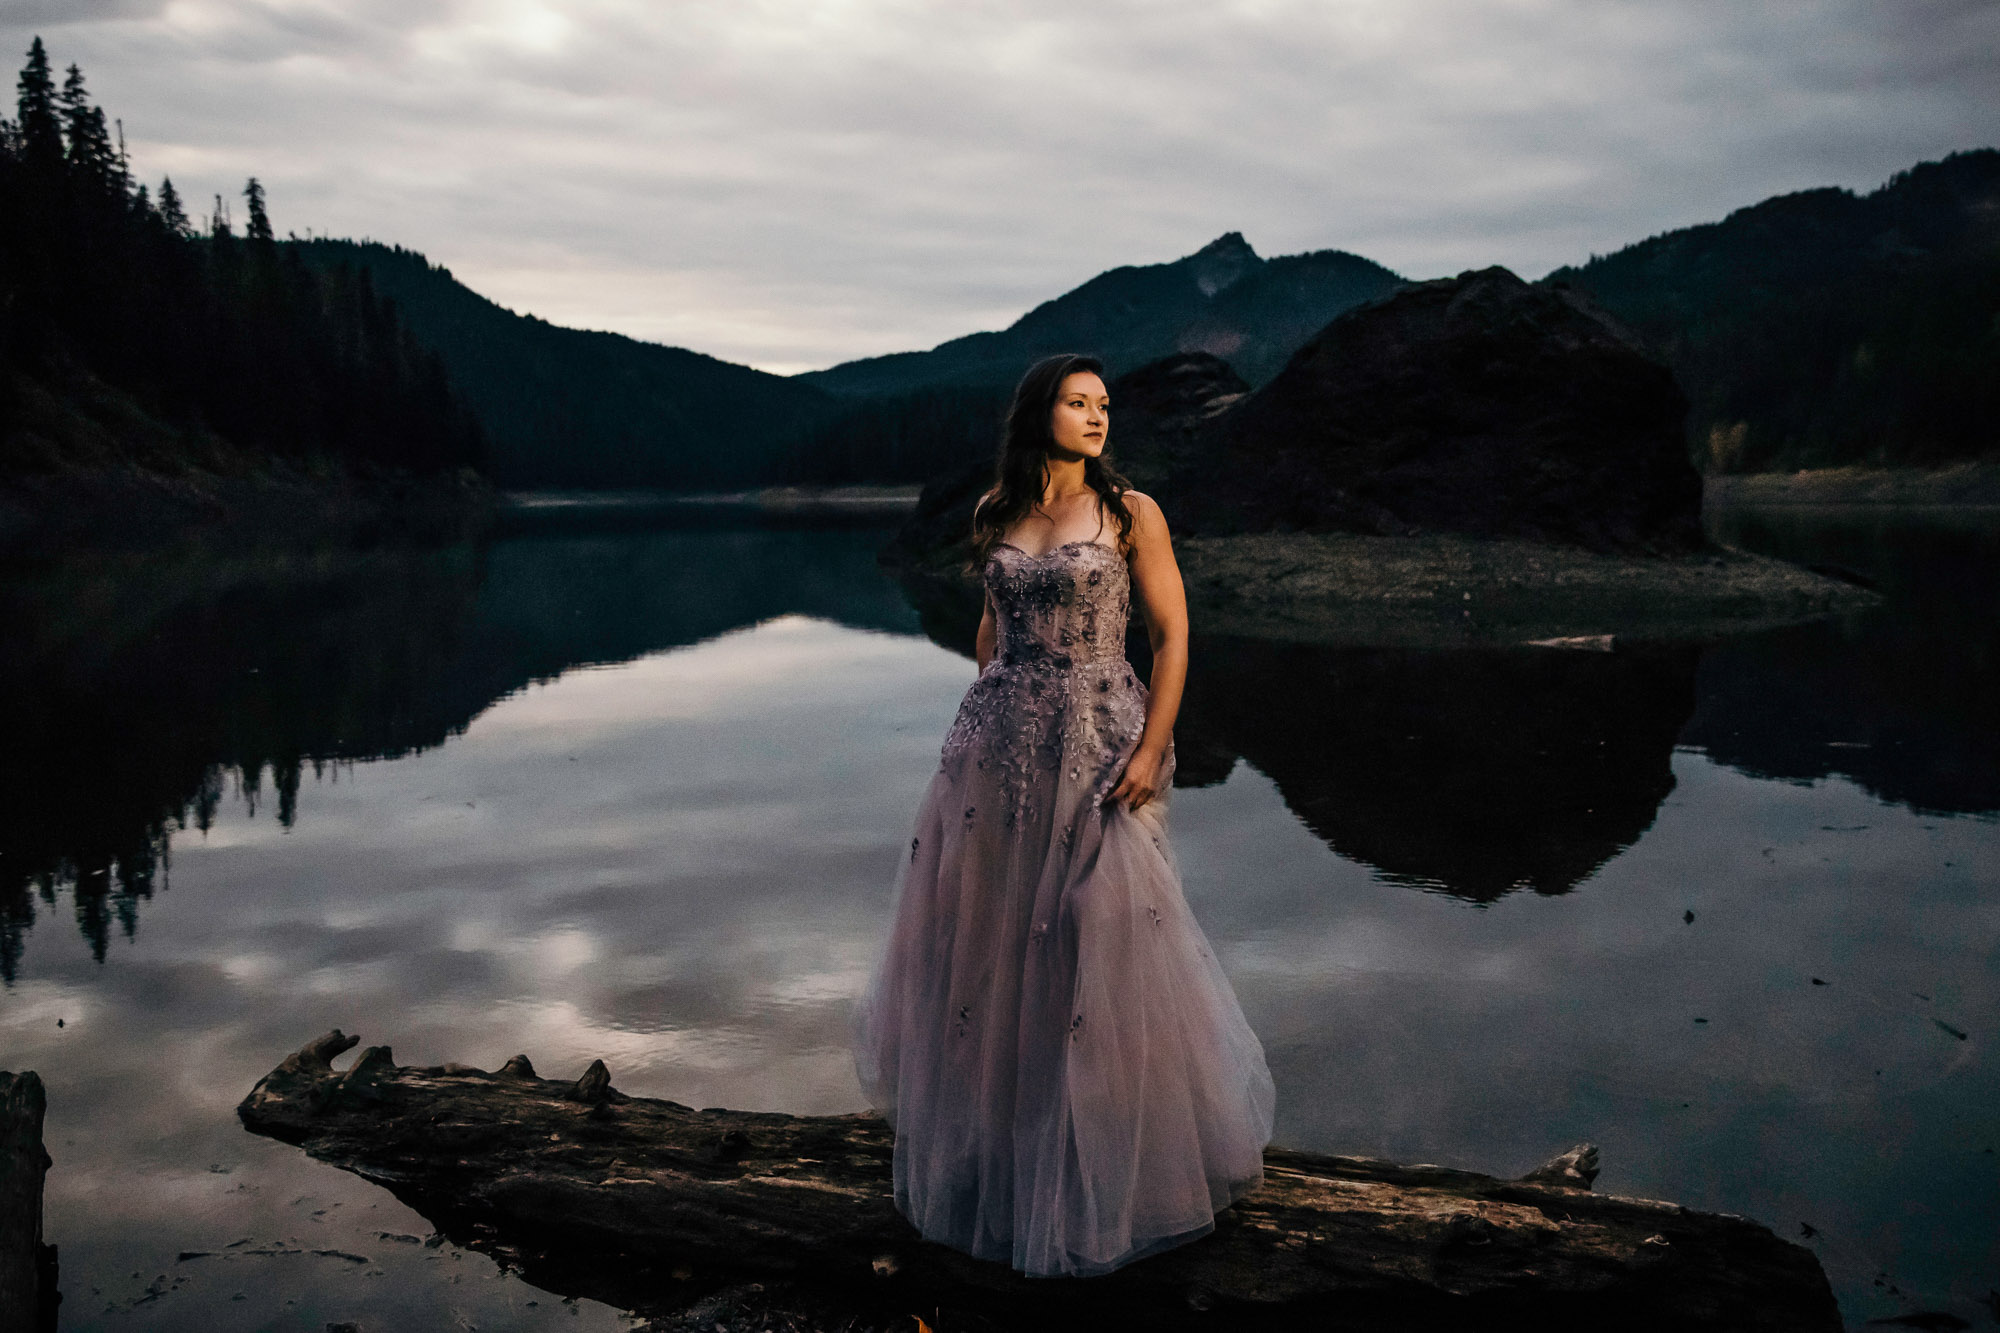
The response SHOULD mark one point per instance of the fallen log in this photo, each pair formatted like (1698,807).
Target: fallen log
(28,1294)
(651,1206)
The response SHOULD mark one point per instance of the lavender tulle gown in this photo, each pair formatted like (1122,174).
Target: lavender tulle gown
(1070,1078)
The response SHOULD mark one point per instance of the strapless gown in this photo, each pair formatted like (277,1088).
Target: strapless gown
(1070,1078)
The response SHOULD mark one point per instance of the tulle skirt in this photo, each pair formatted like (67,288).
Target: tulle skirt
(1071,1080)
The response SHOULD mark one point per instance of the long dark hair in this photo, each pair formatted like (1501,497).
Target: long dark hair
(1022,466)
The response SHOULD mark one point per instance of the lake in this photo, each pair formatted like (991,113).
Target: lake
(1730,911)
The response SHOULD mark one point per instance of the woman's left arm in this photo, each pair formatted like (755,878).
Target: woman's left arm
(1156,579)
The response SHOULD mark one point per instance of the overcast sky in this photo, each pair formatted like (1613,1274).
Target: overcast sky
(794,184)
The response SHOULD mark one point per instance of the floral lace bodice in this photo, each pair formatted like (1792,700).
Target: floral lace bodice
(1066,607)
(1058,708)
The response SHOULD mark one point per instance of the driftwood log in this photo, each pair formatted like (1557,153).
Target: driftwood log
(653,1206)
(28,1294)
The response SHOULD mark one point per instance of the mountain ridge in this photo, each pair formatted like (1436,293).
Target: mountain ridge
(582,407)
(1224,295)
(1827,327)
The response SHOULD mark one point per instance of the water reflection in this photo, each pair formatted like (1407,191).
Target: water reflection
(1473,772)
(681,864)
(138,694)
(1480,771)
(1467,771)
(1904,699)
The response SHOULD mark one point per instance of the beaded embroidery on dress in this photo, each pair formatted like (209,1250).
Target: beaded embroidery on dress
(1070,1077)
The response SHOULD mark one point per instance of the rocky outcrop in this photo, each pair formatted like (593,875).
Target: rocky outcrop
(28,1294)
(1479,404)
(1477,460)
(653,1205)
(1160,410)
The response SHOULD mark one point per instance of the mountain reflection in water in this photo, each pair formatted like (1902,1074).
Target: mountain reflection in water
(1770,997)
(137,694)
(1472,772)
(1467,771)
(1903,699)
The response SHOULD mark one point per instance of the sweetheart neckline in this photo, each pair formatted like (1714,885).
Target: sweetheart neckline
(1080,541)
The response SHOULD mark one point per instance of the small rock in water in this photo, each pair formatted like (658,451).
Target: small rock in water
(1688,916)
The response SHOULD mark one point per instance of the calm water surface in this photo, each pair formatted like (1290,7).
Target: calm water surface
(1730,911)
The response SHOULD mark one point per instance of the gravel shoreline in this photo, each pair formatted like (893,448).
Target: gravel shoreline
(1959,484)
(1444,590)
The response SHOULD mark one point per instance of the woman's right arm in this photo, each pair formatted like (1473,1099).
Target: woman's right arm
(988,630)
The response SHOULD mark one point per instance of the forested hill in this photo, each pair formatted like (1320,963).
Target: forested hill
(133,343)
(1826,328)
(1224,299)
(567,407)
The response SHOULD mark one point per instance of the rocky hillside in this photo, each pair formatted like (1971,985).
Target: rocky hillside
(1479,404)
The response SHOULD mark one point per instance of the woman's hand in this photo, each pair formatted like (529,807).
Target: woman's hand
(1140,782)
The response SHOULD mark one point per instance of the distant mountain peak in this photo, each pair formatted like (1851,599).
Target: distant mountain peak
(1230,242)
(1225,299)
(1222,261)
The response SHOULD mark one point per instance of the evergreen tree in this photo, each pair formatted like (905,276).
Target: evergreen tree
(104,295)
(259,227)
(91,157)
(40,126)
(170,211)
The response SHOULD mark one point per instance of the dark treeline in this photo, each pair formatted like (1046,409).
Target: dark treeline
(574,408)
(900,437)
(128,335)
(1825,328)
(581,408)
(146,693)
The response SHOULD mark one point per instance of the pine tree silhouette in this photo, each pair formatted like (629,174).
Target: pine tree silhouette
(93,162)
(259,226)
(214,352)
(170,210)
(40,126)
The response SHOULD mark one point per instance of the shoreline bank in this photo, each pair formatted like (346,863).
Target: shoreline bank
(1969,484)
(123,508)
(1441,591)
(1444,591)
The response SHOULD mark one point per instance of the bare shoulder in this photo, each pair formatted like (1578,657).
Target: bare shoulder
(1146,514)
(1140,503)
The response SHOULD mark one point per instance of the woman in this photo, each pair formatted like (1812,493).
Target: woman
(1070,1078)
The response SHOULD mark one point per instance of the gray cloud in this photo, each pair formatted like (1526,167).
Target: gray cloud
(791,185)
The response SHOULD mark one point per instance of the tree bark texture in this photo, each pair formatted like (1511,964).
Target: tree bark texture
(651,1205)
